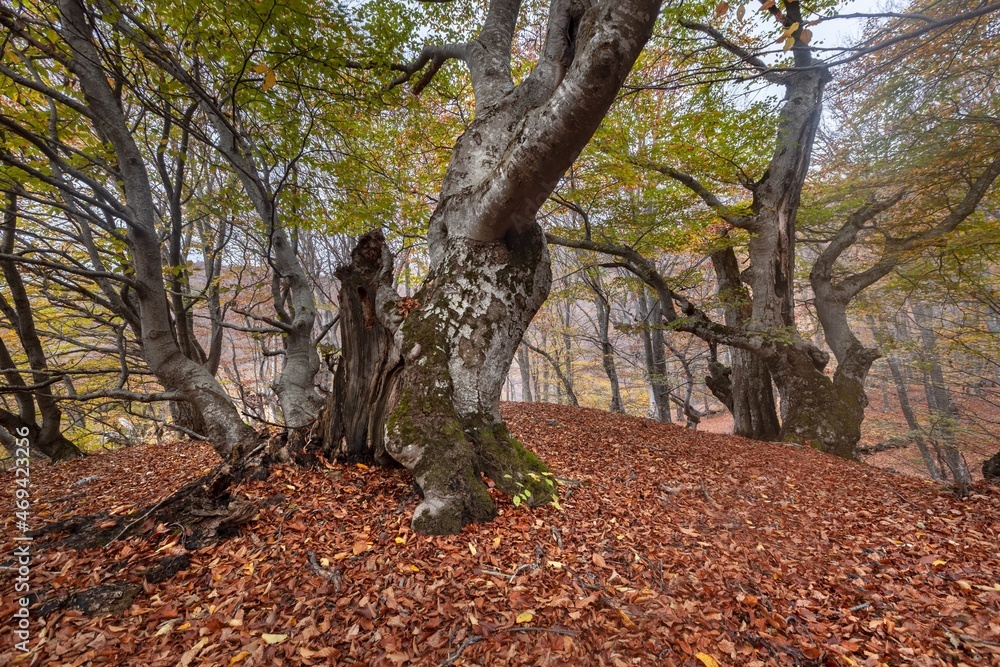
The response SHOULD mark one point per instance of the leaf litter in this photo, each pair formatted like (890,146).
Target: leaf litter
(672,547)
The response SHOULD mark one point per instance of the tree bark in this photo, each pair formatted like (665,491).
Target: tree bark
(603,307)
(944,413)
(655,356)
(227,432)
(366,380)
(524,365)
(911,420)
(745,387)
(481,296)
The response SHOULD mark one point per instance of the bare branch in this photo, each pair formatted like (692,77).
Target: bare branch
(436,55)
(765,71)
(693,184)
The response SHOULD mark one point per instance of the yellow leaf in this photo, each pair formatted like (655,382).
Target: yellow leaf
(324,562)
(472,548)
(239,657)
(273,639)
(555,564)
(260,69)
(165,630)
(269,82)
(184,626)
(939,562)
(791,29)
(789,43)
(524,617)
(964,585)
(707,660)
(290,487)
(400,540)
(628,621)
(496,542)
(361,466)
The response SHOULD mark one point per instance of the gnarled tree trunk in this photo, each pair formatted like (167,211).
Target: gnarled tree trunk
(475,305)
(366,380)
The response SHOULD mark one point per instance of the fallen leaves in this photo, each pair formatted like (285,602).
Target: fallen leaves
(680,548)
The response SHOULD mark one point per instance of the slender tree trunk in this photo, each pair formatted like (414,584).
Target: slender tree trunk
(911,420)
(654,355)
(565,383)
(607,350)
(229,435)
(48,438)
(944,413)
(523,363)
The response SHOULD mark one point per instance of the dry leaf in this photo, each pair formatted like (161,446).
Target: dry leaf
(707,660)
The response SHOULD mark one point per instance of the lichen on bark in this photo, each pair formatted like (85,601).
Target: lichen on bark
(446,427)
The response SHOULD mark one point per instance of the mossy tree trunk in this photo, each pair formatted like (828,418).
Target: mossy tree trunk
(818,410)
(459,344)
(489,269)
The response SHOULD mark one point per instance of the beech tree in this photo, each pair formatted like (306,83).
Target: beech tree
(819,409)
(489,268)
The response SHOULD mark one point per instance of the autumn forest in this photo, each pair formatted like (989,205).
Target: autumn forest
(494,332)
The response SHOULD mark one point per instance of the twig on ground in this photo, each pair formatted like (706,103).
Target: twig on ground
(450,660)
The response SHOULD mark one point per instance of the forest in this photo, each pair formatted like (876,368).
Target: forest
(500,332)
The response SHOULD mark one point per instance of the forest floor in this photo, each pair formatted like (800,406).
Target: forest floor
(885,428)
(672,547)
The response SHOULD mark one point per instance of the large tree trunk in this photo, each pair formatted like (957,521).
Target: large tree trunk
(447,426)
(820,411)
(365,384)
(744,388)
(489,270)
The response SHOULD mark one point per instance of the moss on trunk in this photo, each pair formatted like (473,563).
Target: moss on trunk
(446,427)
(819,411)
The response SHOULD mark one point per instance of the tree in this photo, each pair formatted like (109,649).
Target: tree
(817,409)
(489,268)
(47,437)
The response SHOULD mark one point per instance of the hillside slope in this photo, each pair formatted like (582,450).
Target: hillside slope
(672,547)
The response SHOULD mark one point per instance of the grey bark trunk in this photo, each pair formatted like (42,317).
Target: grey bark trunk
(944,412)
(607,350)
(229,435)
(524,365)
(489,270)
(745,387)
(654,355)
(482,296)
(48,436)
(902,394)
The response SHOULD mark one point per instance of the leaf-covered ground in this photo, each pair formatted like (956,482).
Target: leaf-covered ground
(678,548)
